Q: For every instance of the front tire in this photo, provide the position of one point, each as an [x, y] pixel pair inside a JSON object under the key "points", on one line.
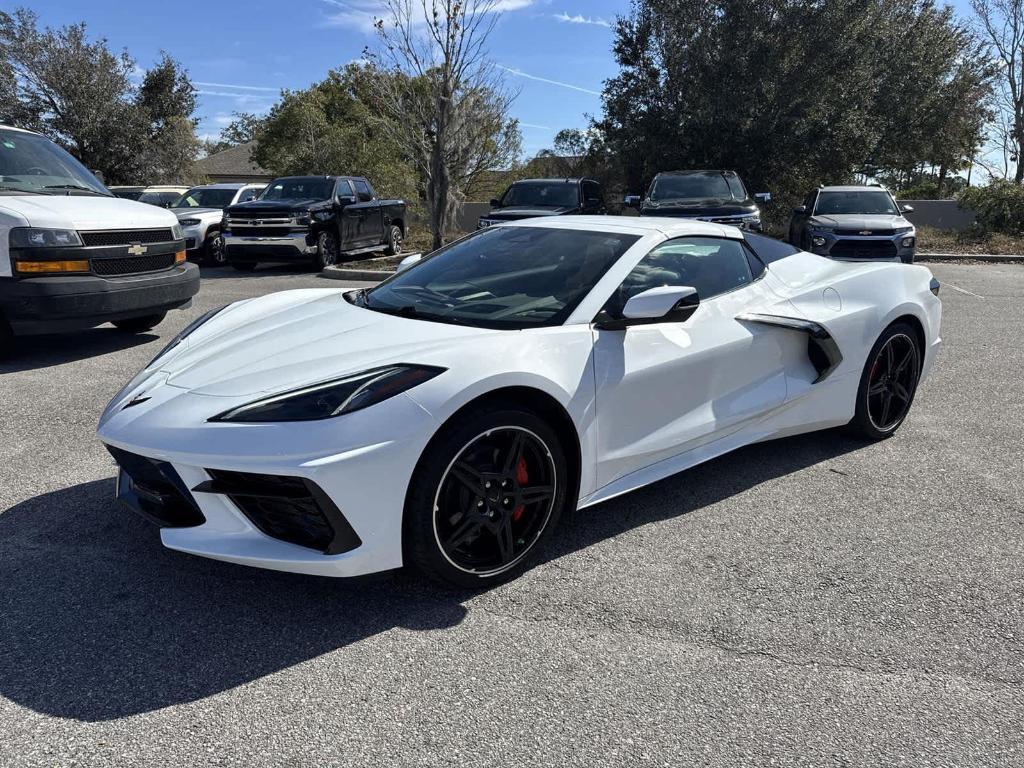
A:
{"points": [[485, 496], [887, 384], [326, 250], [214, 253], [139, 324]]}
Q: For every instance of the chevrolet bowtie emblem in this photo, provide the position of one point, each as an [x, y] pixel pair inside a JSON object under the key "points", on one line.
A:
{"points": [[864, 232], [136, 249]]}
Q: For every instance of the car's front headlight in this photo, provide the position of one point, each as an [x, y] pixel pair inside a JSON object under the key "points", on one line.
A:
{"points": [[189, 222], [37, 237], [333, 398], [176, 232], [186, 331], [902, 230], [822, 229]]}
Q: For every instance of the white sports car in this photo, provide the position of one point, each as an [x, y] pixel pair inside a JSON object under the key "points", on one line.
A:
{"points": [[449, 416]]}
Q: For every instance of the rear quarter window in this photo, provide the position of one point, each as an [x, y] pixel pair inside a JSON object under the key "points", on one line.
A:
{"points": [[768, 249]]}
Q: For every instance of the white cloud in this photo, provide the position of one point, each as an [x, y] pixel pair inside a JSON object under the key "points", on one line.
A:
{"points": [[581, 19], [559, 83], [239, 87], [535, 126], [362, 14]]}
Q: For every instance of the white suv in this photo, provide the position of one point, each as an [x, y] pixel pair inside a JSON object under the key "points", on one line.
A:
{"points": [[199, 211]]}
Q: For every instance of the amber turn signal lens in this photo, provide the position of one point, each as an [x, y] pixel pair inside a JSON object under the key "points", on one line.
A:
{"points": [[179, 257], [50, 267]]}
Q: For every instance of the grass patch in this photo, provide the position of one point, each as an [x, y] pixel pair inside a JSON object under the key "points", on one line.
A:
{"points": [[974, 240]]}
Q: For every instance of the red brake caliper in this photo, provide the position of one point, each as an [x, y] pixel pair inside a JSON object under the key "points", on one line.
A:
{"points": [[522, 477]]}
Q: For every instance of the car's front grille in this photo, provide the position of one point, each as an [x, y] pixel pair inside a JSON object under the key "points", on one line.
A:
{"points": [[125, 237], [153, 489], [261, 231], [132, 265], [864, 249], [865, 232], [291, 509]]}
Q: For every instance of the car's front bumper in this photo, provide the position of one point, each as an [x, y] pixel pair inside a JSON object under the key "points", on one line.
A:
{"points": [[54, 303], [297, 245], [362, 462]]}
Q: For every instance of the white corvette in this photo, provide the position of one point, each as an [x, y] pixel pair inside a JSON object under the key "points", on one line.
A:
{"points": [[449, 416]]}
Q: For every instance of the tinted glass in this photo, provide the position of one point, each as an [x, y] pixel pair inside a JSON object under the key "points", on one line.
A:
{"points": [[710, 265], [504, 277], [128, 194], [32, 163], [557, 195], [162, 199], [363, 191], [345, 189], [205, 198], [870, 202], [692, 186], [299, 188], [248, 194], [767, 248]]}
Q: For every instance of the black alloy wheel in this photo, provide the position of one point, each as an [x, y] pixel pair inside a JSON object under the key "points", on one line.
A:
{"points": [[214, 252], [485, 496], [326, 249], [888, 383], [394, 241]]}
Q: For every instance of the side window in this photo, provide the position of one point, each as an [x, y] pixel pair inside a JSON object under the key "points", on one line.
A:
{"points": [[344, 189], [591, 189], [711, 265], [248, 194], [768, 249], [809, 202], [363, 191]]}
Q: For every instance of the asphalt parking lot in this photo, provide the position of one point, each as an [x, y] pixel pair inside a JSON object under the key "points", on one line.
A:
{"points": [[813, 601]]}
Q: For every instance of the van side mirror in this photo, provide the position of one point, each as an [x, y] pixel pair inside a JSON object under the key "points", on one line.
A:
{"points": [[800, 209], [664, 304], [632, 201]]}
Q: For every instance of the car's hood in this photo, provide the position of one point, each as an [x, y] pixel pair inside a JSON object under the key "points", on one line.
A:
{"points": [[693, 208], [260, 206], [860, 221], [197, 213], [289, 339], [527, 212], [85, 212]]}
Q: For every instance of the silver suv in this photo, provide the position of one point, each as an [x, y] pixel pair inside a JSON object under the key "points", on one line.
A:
{"points": [[859, 223], [200, 210]]}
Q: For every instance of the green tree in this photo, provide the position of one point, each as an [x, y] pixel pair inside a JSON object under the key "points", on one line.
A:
{"points": [[791, 93], [81, 94]]}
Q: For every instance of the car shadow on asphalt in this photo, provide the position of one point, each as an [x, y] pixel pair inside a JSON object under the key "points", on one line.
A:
{"points": [[98, 621], [35, 352]]}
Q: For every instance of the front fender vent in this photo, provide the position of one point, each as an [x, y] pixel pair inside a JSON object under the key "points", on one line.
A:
{"points": [[822, 350]]}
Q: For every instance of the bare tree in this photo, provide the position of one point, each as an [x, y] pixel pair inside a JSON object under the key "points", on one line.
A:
{"points": [[445, 100], [1001, 22]]}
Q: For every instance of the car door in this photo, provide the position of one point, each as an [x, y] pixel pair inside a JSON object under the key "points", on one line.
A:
{"points": [[371, 222], [349, 214], [666, 388]]}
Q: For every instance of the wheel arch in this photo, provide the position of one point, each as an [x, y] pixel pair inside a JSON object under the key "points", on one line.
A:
{"points": [[914, 322]]}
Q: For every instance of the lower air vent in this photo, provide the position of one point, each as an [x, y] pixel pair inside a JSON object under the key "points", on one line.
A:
{"points": [[154, 490]]}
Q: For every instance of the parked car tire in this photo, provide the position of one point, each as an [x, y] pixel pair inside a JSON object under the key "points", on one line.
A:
{"points": [[214, 253], [139, 324], [466, 530], [888, 383], [244, 266], [326, 249], [6, 338], [395, 239]]}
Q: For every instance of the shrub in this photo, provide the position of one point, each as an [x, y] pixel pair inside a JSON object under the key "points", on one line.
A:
{"points": [[999, 206]]}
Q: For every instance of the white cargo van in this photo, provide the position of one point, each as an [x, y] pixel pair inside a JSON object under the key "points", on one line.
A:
{"points": [[72, 255]]}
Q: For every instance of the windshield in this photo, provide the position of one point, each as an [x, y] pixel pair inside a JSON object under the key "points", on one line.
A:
{"points": [[299, 188], [201, 197], [558, 195], [877, 202], [504, 277], [695, 186], [31, 163]]}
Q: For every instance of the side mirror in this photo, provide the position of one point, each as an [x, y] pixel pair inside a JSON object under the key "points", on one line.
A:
{"points": [[665, 304], [495, 202], [800, 209], [343, 200], [593, 202], [907, 208], [408, 261], [763, 197], [632, 201]]}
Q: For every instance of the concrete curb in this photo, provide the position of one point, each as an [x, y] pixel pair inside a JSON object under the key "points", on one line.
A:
{"points": [[993, 258], [362, 275]]}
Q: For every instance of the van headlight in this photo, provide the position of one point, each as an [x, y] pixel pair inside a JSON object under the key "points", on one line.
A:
{"points": [[37, 237]]}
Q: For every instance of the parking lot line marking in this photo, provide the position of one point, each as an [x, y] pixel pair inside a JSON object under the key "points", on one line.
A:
{"points": [[962, 290]]}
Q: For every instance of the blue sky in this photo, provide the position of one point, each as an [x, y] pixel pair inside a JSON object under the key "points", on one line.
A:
{"points": [[240, 54]]}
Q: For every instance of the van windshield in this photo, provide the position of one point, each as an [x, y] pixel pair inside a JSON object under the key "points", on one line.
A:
{"points": [[32, 163]]}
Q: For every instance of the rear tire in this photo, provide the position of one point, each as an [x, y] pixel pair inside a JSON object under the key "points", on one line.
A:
{"points": [[887, 384], [395, 239], [139, 324], [464, 534], [7, 341]]}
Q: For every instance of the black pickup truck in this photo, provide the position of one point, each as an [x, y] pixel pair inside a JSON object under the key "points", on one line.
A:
{"points": [[529, 198], [716, 196], [313, 218]]}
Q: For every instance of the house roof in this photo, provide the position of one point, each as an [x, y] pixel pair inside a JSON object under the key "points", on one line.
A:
{"points": [[234, 161]]}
